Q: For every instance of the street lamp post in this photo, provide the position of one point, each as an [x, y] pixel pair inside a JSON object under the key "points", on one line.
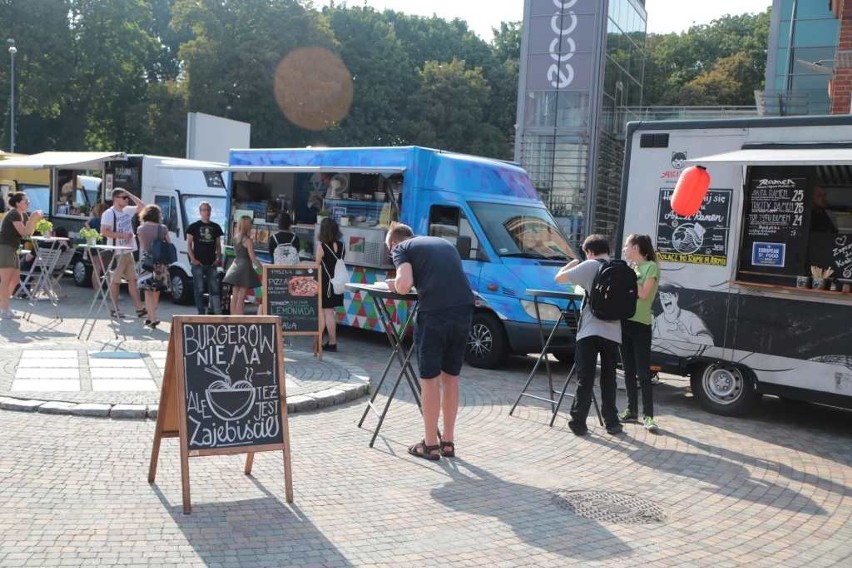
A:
{"points": [[12, 51]]}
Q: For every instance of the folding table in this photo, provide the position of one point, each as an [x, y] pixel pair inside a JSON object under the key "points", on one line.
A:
{"points": [[571, 317], [379, 293], [102, 295], [48, 251]]}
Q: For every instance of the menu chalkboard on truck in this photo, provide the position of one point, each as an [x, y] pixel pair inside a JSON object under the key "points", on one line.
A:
{"points": [[776, 216], [223, 391], [293, 294], [699, 239]]}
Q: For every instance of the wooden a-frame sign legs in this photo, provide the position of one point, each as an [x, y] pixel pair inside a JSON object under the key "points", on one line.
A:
{"points": [[172, 410]]}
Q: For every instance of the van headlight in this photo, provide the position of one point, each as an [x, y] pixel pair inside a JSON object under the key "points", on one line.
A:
{"points": [[549, 312]]}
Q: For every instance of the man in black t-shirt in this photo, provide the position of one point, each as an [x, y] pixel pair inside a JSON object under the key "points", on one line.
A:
{"points": [[445, 302], [204, 246]]}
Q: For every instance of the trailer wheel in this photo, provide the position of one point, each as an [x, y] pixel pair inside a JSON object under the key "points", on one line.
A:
{"points": [[486, 344], [724, 388], [181, 292], [82, 274]]}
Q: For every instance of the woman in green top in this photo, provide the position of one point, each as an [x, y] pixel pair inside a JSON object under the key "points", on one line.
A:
{"points": [[636, 332]]}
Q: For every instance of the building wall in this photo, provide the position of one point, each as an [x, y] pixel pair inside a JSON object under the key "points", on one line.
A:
{"points": [[581, 71], [794, 87], [841, 84]]}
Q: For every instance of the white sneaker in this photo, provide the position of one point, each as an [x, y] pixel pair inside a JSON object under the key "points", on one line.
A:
{"points": [[9, 314]]}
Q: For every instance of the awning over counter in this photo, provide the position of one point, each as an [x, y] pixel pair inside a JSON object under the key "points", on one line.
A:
{"points": [[219, 167], [67, 160], [779, 157]]}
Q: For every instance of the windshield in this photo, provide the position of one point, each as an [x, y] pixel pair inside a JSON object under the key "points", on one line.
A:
{"points": [[190, 208], [528, 232]]}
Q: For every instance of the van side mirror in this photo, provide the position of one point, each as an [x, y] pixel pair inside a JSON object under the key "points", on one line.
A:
{"points": [[463, 243]]}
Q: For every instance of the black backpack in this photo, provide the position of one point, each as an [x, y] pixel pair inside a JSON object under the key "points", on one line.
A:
{"points": [[614, 291]]}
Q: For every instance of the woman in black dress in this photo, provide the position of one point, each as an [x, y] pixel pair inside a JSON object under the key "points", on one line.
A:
{"points": [[329, 250]]}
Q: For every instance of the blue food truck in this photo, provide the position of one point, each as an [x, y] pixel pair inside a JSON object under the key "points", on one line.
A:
{"points": [[508, 240]]}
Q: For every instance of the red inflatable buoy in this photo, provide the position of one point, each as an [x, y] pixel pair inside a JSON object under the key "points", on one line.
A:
{"points": [[690, 191]]}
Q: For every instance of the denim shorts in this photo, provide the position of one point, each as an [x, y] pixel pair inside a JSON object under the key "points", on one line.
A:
{"points": [[441, 340]]}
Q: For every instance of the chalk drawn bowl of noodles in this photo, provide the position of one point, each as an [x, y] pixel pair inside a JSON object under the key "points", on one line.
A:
{"points": [[230, 401]]}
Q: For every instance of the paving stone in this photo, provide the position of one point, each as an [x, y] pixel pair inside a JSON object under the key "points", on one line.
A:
{"points": [[301, 403], [124, 411], [328, 397], [22, 405], [91, 409], [56, 407]]}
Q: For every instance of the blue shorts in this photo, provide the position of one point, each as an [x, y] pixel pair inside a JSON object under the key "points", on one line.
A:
{"points": [[441, 340]]}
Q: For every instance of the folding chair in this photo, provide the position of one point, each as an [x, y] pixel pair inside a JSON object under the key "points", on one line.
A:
{"points": [[58, 271], [38, 279]]}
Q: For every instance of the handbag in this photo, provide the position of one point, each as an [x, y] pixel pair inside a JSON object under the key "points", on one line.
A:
{"points": [[341, 274], [162, 252]]}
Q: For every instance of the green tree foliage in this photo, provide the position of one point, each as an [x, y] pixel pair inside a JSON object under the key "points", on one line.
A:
{"points": [[121, 74], [721, 63]]}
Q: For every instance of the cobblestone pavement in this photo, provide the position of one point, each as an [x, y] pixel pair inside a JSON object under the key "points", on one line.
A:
{"points": [[771, 490], [118, 368]]}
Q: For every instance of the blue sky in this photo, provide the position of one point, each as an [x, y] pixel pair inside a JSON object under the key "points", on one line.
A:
{"points": [[481, 15]]}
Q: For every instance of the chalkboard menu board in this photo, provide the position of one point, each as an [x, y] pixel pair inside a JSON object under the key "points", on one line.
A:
{"points": [[776, 218], [223, 393], [292, 293], [699, 239], [828, 250], [231, 384]]}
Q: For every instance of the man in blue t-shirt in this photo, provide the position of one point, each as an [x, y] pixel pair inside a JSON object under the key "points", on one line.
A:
{"points": [[445, 303]]}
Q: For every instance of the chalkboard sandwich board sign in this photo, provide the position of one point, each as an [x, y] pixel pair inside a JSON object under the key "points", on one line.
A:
{"points": [[224, 392], [293, 294]]}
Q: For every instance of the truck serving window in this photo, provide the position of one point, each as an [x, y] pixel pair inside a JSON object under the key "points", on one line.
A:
{"points": [[527, 232], [795, 227]]}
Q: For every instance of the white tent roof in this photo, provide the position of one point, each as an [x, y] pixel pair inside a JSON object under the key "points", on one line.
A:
{"points": [[780, 157], [70, 160]]}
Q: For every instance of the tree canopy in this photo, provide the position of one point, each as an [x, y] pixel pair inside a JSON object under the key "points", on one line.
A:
{"points": [[121, 74]]}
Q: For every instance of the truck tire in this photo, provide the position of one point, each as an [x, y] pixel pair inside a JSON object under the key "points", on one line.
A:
{"points": [[82, 274], [181, 288], [486, 344], [724, 388]]}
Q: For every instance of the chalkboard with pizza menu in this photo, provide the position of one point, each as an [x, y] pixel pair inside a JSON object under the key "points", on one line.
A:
{"points": [[293, 294]]}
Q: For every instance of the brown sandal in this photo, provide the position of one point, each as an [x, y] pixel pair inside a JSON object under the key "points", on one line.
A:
{"points": [[448, 449], [421, 450]]}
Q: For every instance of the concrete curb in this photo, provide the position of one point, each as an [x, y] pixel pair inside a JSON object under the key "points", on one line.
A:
{"points": [[358, 386]]}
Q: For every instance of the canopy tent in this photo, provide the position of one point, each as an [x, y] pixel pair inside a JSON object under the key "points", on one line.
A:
{"points": [[779, 157], [63, 160]]}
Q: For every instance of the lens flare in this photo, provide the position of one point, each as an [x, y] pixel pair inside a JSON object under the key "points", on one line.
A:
{"points": [[313, 88]]}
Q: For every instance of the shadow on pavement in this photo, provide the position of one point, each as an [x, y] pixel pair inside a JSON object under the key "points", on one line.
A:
{"points": [[727, 474], [259, 532], [528, 511]]}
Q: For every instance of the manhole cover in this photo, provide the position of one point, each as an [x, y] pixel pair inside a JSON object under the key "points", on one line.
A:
{"points": [[609, 506]]}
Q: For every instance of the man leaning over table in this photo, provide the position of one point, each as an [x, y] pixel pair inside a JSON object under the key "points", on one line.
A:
{"points": [[117, 227], [445, 301]]}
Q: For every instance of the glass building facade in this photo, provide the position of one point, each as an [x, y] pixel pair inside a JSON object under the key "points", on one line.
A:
{"points": [[800, 58], [581, 74]]}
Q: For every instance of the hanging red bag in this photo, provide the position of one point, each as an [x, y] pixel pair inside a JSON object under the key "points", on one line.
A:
{"points": [[690, 191]]}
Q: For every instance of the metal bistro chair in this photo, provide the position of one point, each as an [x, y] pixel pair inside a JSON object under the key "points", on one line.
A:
{"points": [[42, 278]]}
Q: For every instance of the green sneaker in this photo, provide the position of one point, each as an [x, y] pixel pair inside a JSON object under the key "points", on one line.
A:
{"points": [[650, 424], [627, 416]]}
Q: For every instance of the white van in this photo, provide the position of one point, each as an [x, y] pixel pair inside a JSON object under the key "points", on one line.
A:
{"points": [[154, 179], [740, 310]]}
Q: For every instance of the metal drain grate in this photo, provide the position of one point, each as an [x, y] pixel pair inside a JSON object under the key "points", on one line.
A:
{"points": [[609, 507]]}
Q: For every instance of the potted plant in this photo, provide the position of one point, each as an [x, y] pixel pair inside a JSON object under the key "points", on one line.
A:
{"points": [[322, 215], [43, 227], [91, 235]]}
